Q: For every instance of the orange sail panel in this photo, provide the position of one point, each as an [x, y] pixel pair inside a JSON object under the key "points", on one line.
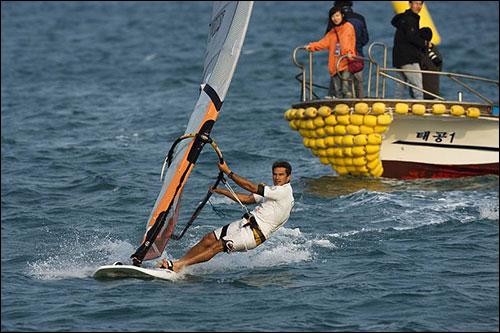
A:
{"points": [[227, 30]]}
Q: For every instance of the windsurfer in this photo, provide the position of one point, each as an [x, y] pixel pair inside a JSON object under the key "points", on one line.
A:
{"points": [[275, 204]]}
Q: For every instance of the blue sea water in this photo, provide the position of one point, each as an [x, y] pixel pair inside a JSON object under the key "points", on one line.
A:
{"points": [[94, 93]]}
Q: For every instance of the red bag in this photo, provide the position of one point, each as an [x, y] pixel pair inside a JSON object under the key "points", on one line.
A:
{"points": [[355, 65]]}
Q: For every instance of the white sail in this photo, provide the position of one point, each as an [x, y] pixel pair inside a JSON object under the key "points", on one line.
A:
{"points": [[227, 30]]}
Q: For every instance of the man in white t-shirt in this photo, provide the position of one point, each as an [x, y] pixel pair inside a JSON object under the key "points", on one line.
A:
{"points": [[275, 204]]}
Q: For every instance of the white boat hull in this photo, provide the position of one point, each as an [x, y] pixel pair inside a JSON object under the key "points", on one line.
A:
{"points": [[440, 147]]}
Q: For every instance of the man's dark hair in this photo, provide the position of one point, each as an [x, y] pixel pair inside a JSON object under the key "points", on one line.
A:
{"points": [[283, 164]]}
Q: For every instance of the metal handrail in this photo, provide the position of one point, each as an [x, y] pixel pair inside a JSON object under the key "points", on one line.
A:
{"points": [[303, 68], [381, 72], [453, 76], [377, 75]]}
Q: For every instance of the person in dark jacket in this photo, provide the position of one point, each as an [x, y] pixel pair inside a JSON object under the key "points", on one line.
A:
{"points": [[431, 60], [408, 47], [362, 38]]}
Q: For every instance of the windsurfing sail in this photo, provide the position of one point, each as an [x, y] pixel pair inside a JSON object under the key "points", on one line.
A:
{"points": [[227, 30]]}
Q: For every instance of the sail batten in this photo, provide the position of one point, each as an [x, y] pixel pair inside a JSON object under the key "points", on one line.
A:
{"points": [[227, 29]]}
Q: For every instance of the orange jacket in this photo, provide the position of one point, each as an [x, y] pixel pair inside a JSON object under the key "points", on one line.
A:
{"points": [[347, 45]]}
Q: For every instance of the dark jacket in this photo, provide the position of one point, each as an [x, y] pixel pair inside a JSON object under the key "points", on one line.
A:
{"points": [[408, 45], [359, 23], [431, 61]]}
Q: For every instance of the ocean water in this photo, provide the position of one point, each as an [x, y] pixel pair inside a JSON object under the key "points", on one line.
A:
{"points": [[94, 93]]}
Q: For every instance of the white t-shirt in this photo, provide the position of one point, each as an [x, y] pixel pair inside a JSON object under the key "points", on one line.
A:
{"points": [[274, 208]]}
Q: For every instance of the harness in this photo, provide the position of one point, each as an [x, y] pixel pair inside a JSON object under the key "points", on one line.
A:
{"points": [[257, 233], [252, 223]]}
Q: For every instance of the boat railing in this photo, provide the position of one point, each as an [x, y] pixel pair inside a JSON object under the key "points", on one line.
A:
{"points": [[381, 73], [455, 77]]}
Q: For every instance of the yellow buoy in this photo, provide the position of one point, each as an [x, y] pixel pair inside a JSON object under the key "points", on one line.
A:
{"points": [[324, 111], [305, 142], [384, 119], [380, 129], [362, 169], [287, 114], [340, 130], [310, 124], [361, 139], [329, 141], [348, 140], [359, 161], [370, 120], [351, 168], [347, 152], [293, 125], [320, 143], [372, 157], [356, 119], [339, 139], [370, 149], [331, 120], [338, 152], [378, 171], [366, 129], [361, 108], [341, 109], [344, 119], [359, 150], [438, 109], [373, 164], [341, 170], [457, 110], [320, 132], [473, 112], [348, 161], [378, 108], [418, 109], [308, 133], [319, 122], [352, 129], [401, 108], [324, 160], [330, 152], [312, 143], [300, 123], [311, 112], [374, 139], [330, 130], [300, 114]]}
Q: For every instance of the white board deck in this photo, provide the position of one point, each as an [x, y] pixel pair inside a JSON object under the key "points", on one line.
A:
{"points": [[130, 271]]}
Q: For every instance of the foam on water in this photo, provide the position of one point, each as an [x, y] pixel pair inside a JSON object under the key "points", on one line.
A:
{"points": [[489, 210], [76, 258], [286, 246]]}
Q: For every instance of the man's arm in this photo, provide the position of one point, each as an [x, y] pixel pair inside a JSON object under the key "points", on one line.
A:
{"points": [[242, 182], [244, 198]]}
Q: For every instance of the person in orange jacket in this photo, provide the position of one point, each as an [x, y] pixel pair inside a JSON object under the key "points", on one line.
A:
{"points": [[340, 40]]}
